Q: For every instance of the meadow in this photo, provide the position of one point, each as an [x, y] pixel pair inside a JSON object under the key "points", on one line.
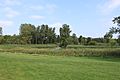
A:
{"points": [[49, 62], [19, 66]]}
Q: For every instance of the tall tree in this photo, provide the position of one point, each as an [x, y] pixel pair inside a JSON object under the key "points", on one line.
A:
{"points": [[64, 35], [80, 39], [27, 32], [45, 34], [116, 20], [115, 30]]}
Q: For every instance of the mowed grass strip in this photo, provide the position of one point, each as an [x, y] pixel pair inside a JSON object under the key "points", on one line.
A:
{"points": [[39, 67]]}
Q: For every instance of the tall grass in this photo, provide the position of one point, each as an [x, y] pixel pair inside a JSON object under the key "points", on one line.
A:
{"points": [[55, 51]]}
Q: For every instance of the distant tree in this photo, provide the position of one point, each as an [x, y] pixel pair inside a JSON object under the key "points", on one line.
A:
{"points": [[75, 39], [80, 39], [27, 32], [89, 39], [58, 38], [45, 34], [2, 40], [0, 30], [15, 39], [84, 41], [70, 40], [7, 39], [98, 40], [118, 40], [107, 37], [64, 35]]}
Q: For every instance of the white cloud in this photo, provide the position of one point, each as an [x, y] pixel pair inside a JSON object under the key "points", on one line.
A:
{"points": [[10, 13], [109, 6], [37, 17], [5, 23]]}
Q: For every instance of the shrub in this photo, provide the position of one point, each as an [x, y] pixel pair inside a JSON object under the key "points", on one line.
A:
{"points": [[113, 42], [92, 43]]}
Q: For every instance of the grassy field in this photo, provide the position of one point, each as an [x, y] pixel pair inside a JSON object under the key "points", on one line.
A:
{"points": [[40, 67]]}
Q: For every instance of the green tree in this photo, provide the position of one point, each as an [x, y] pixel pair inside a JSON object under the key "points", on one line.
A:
{"points": [[15, 39], [64, 35], [107, 37], [75, 39], [84, 41], [0, 30], [80, 39], [118, 40], [27, 32], [89, 39], [2, 40], [45, 34], [58, 38], [116, 20]]}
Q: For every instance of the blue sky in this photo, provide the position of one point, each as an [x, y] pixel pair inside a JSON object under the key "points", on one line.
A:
{"points": [[90, 18]]}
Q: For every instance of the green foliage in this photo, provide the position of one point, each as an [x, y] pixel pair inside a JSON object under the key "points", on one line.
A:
{"points": [[117, 20], [37, 35], [118, 40], [80, 39], [26, 32], [89, 39], [113, 42], [64, 35], [63, 43], [92, 43], [1, 31], [115, 30], [107, 37], [75, 39], [98, 40], [1, 40]]}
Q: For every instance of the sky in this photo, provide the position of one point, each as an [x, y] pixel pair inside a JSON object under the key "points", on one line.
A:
{"points": [[90, 18]]}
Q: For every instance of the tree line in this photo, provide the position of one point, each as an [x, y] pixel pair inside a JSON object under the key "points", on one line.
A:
{"points": [[43, 34]]}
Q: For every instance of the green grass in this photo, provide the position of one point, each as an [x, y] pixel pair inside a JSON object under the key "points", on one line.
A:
{"points": [[40, 67]]}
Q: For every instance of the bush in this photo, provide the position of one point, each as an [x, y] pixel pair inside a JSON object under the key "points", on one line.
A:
{"points": [[113, 42], [63, 43], [92, 43]]}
